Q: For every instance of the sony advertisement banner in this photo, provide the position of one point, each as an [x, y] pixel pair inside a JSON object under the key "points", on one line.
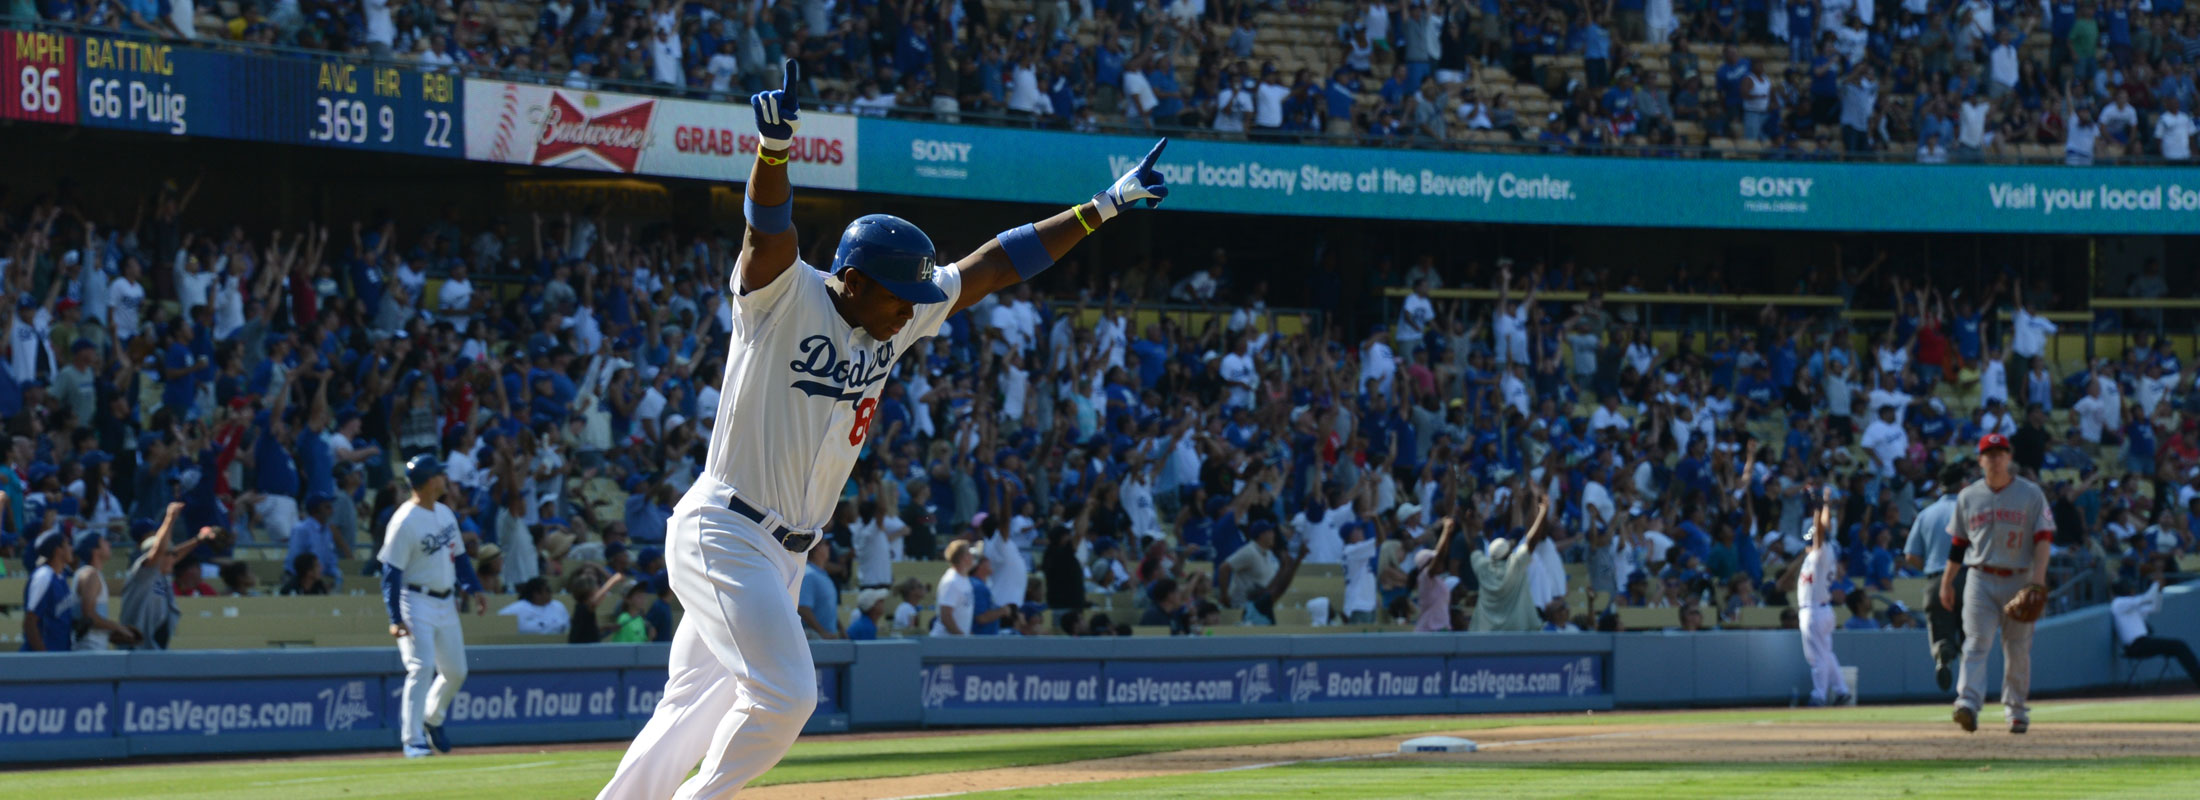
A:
{"points": [[517, 123], [965, 161]]}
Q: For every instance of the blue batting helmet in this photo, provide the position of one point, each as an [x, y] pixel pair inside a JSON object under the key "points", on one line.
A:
{"points": [[421, 469], [889, 250]]}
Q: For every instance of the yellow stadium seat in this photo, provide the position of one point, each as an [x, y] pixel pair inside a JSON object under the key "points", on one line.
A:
{"points": [[1760, 617], [1649, 619]]}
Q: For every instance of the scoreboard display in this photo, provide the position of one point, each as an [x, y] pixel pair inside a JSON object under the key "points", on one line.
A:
{"points": [[38, 77], [381, 107], [164, 88]]}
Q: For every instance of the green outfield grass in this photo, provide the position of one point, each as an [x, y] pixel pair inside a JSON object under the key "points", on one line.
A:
{"points": [[528, 776], [1404, 780]]}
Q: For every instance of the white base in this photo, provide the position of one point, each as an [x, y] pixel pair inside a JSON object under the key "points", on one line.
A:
{"points": [[1437, 744]]}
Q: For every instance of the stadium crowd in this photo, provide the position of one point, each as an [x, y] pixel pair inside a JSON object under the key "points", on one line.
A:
{"points": [[1947, 81], [177, 389]]}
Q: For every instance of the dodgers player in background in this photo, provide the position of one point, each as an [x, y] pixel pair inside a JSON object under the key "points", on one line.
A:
{"points": [[809, 359], [1827, 685], [2000, 537], [424, 567]]}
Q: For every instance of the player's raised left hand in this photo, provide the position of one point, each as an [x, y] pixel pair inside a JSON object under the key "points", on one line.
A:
{"points": [[1143, 182]]}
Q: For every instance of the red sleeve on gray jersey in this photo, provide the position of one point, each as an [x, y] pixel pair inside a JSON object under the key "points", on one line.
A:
{"points": [[2045, 528]]}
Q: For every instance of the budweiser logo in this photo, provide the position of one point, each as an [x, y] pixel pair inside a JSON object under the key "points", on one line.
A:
{"points": [[616, 138]]}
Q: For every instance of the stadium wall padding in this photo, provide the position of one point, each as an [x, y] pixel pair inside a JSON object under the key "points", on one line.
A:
{"points": [[88, 706]]}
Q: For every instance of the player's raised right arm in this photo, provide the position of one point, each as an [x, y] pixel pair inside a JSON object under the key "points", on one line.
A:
{"points": [[769, 247]]}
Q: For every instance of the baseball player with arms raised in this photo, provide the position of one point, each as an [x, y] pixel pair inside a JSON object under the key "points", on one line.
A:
{"points": [[424, 566], [1815, 591], [810, 355], [2001, 532]]}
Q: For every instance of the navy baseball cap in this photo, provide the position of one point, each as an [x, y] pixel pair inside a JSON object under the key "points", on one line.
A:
{"points": [[46, 543], [87, 542], [421, 469], [893, 252]]}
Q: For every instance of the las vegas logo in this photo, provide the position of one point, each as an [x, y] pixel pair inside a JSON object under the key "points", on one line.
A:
{"points": [[613, 140]]}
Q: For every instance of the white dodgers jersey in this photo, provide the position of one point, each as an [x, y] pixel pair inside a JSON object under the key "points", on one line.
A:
{"points": [[424, 542], [1816, 584], [800, 390]]}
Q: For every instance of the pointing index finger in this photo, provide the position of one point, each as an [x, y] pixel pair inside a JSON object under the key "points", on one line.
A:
{"points": [[792, 74], [1153, 155]]}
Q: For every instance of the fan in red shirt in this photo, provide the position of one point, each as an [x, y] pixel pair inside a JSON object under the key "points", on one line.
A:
{"points": [[1936, 355]]}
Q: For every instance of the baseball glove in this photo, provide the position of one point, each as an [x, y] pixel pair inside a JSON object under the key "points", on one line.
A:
{"points": [[2029, 604]]}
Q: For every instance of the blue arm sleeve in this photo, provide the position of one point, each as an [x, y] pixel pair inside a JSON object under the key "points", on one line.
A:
{"points": [[1025, 252], [467, 580], [393, 587]]}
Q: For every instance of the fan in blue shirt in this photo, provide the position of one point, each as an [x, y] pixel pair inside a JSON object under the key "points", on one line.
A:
{"points": [[1860, 609], [1730, 82], [913, 51], [1934, 425], [1802, 18], [1758, 393], [1342, 94], [1107, 68]]}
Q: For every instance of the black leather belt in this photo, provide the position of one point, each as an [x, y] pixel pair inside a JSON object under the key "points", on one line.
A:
{"points": [[795, 541], [439, 595]]}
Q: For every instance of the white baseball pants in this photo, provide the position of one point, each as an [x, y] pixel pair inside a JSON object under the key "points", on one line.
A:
{"points": [[741, 682], [1825, 670], [435, 649]]}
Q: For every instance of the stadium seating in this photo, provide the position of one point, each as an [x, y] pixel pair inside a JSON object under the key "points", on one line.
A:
{"points": [[1650, 619]]}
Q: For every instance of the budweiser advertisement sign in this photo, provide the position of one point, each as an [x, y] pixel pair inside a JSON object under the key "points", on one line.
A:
{"points": [[516, 123]]}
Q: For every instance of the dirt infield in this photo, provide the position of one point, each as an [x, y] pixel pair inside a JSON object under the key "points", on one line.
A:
{"points": [[1647, 742]]}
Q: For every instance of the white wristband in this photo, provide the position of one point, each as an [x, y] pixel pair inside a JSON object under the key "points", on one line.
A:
{"points": [[769, 143], [1104, 205]]}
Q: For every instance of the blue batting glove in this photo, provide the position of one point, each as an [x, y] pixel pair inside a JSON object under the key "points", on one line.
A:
{"points": [[777, 115], [1141, 183]]}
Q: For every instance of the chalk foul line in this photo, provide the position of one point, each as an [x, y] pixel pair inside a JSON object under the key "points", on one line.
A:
{"points": [[354, 775], [1328, 759]]}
